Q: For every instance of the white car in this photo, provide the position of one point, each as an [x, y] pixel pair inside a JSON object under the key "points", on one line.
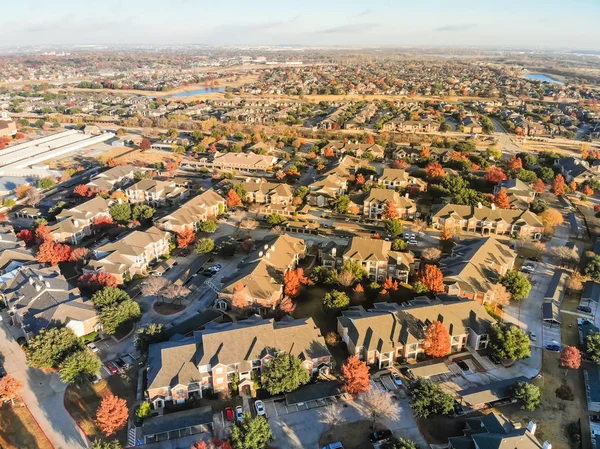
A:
{"points": [[528, 268], [260, 408], [397, 379], [412, 242], [93, 347], [239, 411]]}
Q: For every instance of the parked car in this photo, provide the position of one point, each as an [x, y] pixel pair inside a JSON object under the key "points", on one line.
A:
{"points": [[380, 435], [532, 336], [93, 347], [412, 242], [463, 366], [397, 378], [238, 413], [229, 414], [111, 367], [528, 268], [260, 408], [458, 410], [336, 445], [120, 364], [586, 309], [555, 348]]}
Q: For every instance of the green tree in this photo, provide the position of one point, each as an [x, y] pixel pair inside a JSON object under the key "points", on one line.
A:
{"points": [[592, 269], [592, 347], [526, 176], [453, 184], [336, 300], [144, 410], [301, 191], [205, 245], [538, 206], [276, 219], [399, 443], [51, 346], [240, 190], [509, 342], [516, 284], [529, 395], [79, 364], [208, 226], [399, 245], [148, 335], [355, 268], [143, 212], [120, 212], [109, 296], [9, 203], [393, 227], [113, 444], [284, 373], [429, 399], [340, 204], [546, 173], [114, 316], [47, 183], [320, 274], [251, 433]]}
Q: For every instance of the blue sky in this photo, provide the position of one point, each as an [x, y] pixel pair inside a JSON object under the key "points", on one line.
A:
{"points": [[507, 23]]}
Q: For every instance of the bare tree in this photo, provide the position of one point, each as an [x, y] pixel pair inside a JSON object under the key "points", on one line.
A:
{"points": [[32, 197], [418, 225], [566, 255], [500, 296], [176, 292], [331, 416], [575, 282], [432, 255], [153, 286], [378, 405], [345, 278], [538, 247]]}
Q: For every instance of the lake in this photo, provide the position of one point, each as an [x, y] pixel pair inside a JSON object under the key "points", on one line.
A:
{"points": [[542, 77], [191, 93]]}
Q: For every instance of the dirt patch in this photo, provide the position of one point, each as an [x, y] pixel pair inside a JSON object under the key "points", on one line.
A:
{"points": [[19, 430], [351, 435], [437, 429], [135, 156], [82, 401], [167, 309]]}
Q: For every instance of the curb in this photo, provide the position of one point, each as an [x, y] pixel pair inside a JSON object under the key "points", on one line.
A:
{"points": [[38, 424]]}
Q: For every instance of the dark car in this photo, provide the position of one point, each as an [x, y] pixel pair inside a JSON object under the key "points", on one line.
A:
{"points": [[495, 359], [120, 363], [380, 435], [555, 348], [586, 309], [463, 365], [458, 410]]}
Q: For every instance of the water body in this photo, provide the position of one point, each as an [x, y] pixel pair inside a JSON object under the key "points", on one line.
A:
{"points": [[542, 77], [191, 93]]}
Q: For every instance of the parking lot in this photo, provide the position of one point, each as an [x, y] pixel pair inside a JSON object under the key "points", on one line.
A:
{"points": [[279, 408]]}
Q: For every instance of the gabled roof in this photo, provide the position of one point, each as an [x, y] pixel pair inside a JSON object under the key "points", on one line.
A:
{"points": [[368, 249]]}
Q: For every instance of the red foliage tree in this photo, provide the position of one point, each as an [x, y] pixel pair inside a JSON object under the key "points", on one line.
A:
{"points": [[239, 299], [437, 340], [81, 190], [112, 414], [587, 190], [293, 280], [573, 186], [539, 186], [233, 199], [515, 163], [19, 136], [501, 200], [145, 145], [370, 139], [355, 375], [570, 357], [199, 445], [42, 234], [2, 145], [53, 253], [400, 164], [328, 152], [9, 386], [425, 152], [435, 170], [432, 277], [359, 288], [390, 284], [558, 186], [26, 235], [495, 175], [102, 222], [112, 162], [390, 211], [360, 179], [185, 238], [96, 281], [78, 254]]}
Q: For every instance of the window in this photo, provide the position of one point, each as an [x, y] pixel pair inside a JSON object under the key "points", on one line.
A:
{"points": [[219, 370], [179, 391], [220, 381]]}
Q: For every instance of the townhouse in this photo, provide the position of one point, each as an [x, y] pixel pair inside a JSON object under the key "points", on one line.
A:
{"points": [[471, 125], [154, 193], [486, 221], [72, 225], [519, 193], [334, 182], [575, 169], [39, 297], [374, 255], [213, 358], [475, 266], [377, 199], [131, 254], [113, 178], [389, 332], [13, 252], [258, 285], [398, 178], [189, 215], [260, 191]]}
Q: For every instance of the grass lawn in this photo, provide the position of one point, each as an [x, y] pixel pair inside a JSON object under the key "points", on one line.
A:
{"points": [[167, 308], [19, 430], [437, 429], [83, 399], [352, 435]]}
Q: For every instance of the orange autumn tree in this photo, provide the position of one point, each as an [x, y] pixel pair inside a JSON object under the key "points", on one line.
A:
{"points": [[81, 190], [390, 211], [293, 280], [587, 190], [355, 375], [390, 284], [370, 139], [501, 200], [9, 386], [432, 277], [112, 414], [42, 234], [539, 186], [360, 179], [437, 340], [53, 253], [573, 186], [233, 199], [515, 163], [435, 170], [185, 238], [558, 186], [425, 153], [328, 152], [239, 299], [495, 175]]}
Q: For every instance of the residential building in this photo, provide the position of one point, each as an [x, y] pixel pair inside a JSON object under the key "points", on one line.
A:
{"points": [[486, 221], [72, 225], [519, 193], [212, 358], [260, 191], [394, 178], [575, 169], [334, 182], [113, 178], [39, 297], [374, 255], [390, 331], [475, 266], [189, 215], [131, 254], [241, 162], [8, 128], [377, 199], [154, 193], [259, 281], [13, 252], [471, 125]]}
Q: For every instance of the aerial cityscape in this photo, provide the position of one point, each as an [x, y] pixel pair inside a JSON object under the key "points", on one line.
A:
{"points": [[341, 225]]}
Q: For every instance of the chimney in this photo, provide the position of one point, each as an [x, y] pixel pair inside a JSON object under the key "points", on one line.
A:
{"points": [[47, 284], [267, 254], [493, 206], [40, 277], [479, 205], [31, 281], [547, 445], [266, 247], [38, 287], [531, 427], [333, 251], [260, 254], [406, 195]]}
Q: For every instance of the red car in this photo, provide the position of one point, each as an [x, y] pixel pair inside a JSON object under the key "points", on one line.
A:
{"points": [[229, 413], [112, 367]]}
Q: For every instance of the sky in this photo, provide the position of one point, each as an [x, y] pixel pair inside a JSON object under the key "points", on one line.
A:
{"points": [[565, 24]]}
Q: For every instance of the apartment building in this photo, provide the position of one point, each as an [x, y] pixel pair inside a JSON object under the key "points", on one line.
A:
{"points": [[131, 254], [72, 225], [260, 191], [154, 193], [377, 199], [394, 178], [113, 178], [241, 162], [212, 358], [390, 331], [519, 194], [190, 214]]}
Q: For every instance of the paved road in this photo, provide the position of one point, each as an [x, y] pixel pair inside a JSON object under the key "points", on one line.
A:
{"points": [[43, 393]]}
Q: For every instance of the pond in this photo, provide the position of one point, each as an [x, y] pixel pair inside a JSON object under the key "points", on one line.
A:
{"points": [[191, 93], [542, 77]]}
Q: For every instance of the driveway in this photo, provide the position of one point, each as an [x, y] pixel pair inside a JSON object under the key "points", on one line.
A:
{"points": [[43, 392]]}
